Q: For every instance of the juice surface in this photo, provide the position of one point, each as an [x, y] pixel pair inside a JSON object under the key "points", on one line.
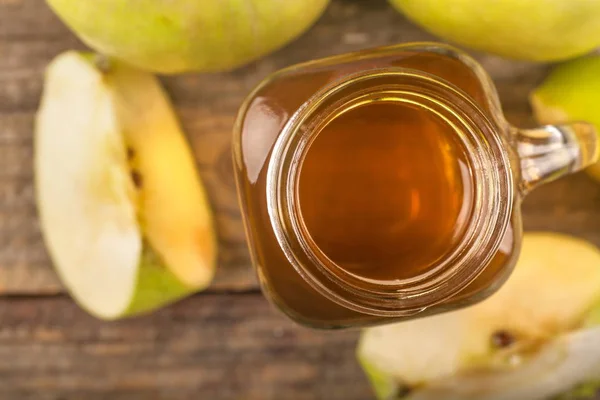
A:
{"points": [[385, 190]]}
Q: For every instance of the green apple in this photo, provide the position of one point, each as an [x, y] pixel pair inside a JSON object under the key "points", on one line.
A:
{"points": [[537, 30], [571, 93], [537, 337], [187, 35], [121, 206]]}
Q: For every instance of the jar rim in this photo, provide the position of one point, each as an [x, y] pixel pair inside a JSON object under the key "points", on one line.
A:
{"points": [[485, 229]]}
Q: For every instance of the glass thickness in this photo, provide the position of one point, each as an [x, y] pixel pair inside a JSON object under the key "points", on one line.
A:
{"points": [[384, 185]]}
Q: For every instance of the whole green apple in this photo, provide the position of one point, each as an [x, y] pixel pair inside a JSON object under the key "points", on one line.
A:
{"points": [[172, 36], [536, 30]]}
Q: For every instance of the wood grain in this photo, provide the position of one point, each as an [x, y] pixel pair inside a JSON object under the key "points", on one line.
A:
{"points": [[207, 347], [30, 36]]}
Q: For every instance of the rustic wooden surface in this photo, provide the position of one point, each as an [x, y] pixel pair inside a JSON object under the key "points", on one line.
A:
{"points": [[207, 347], [226, 343]]}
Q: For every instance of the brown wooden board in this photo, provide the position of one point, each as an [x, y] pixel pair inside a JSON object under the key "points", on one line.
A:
{"points": [[207, 347]]}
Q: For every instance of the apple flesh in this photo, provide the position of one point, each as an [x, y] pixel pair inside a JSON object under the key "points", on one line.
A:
{"points": [[537, 337], [122, 208]]}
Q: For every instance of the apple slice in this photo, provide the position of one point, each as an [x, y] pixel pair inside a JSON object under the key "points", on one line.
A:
{"points": [[122, 209], [537, 337]]}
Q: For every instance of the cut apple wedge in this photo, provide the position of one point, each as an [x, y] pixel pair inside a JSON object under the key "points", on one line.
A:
{"points": [[537, 337], [122, 208]]}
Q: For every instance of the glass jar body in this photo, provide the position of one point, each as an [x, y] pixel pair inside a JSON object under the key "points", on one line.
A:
{"points": [[262, 121]]}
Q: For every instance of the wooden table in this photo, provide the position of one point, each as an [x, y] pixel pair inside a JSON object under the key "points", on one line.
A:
{"points": [[227, 342]]}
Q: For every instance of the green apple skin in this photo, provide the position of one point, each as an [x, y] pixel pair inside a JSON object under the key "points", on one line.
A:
{"points": [[174, 36], [535, 30], [156, 285]]}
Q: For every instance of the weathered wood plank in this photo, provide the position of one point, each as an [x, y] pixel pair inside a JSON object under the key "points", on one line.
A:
{"points": [[30, 36], [207, 347]]}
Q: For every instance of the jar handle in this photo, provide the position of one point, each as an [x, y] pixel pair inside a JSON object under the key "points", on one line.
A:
{"points": [[551, 151]]}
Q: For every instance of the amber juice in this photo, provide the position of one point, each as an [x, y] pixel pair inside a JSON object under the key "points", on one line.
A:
{"points": [[384, 190], [389, 207]]}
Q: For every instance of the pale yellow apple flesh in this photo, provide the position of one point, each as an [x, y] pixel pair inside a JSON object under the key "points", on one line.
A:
{"points": [[536, 337], [122, 208], [173, 208]]}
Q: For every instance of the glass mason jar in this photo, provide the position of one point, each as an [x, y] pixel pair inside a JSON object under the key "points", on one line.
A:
{"points": [[279, 123]]}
